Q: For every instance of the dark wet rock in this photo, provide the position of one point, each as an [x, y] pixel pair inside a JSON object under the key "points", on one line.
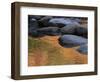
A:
{"points": [[81, 31], [33, 24], [71, 41], [83, 49], [36, 34], [68, 29], [49, 31], [75, 30], [61, 22], [43, 22]]}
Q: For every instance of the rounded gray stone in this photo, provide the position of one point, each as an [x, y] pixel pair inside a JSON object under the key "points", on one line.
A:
{"points": [[69, 41]]}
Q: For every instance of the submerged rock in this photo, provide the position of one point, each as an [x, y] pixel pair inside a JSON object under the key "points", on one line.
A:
{"points": [[69, 41], [83, 49]]}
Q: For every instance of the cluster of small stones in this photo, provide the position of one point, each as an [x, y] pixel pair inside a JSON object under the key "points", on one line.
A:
{"points": [[70, 30]]}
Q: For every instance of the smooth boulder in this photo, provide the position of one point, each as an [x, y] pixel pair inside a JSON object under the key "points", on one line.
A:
{"points": [[75, 30], [69, 41]]}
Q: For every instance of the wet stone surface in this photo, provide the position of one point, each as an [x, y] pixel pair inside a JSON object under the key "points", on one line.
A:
{"points": [[71, 41]]}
